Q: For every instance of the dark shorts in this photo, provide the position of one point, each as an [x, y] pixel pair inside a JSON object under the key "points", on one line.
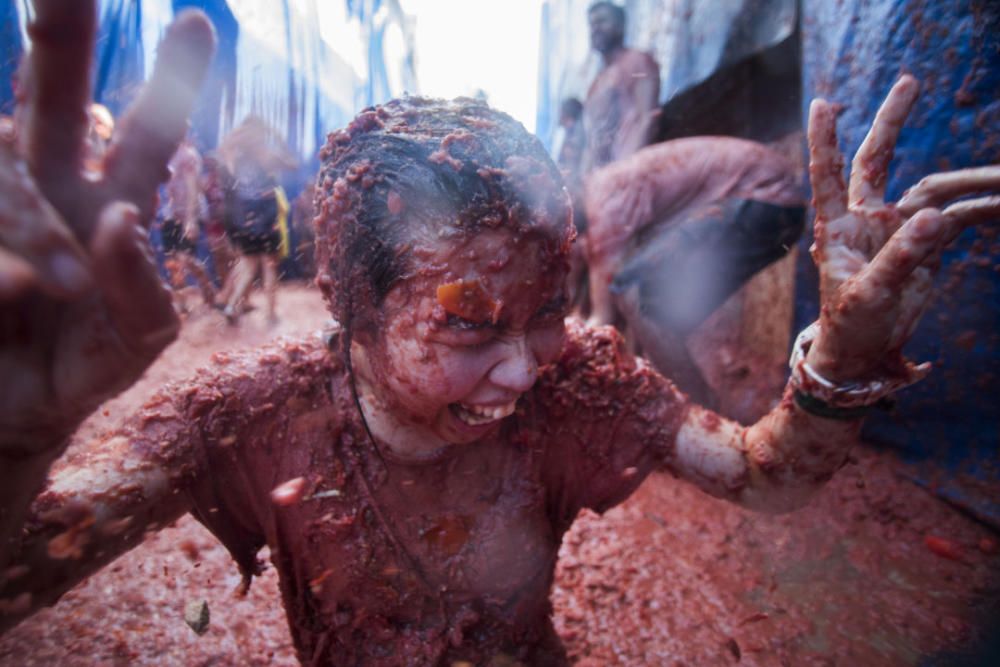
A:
{"points": [[257, 233], [684, 272], [258, 244], [174, 241]]}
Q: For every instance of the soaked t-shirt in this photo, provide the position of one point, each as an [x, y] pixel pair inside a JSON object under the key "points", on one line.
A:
{"points": [[383, 562]]}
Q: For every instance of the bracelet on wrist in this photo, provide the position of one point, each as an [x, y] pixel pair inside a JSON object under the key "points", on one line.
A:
{"points": [[814, 406], [824, 398]]}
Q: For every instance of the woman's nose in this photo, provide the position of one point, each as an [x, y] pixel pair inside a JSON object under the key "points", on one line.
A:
{"points": [[518, 369]]}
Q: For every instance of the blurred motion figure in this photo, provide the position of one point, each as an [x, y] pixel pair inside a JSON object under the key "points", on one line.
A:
{"points": [[677, 228], [183, 218], [253, 154]]}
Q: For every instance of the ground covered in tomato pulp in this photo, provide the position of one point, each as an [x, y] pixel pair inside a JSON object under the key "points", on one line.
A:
{"points": [[876, 571]]}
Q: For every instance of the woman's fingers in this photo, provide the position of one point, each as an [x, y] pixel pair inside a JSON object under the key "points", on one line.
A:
{"points": [[56, 86], [912, 245], [826, 163], [137, 301], [971, 212], [870, 167], [155, 124], [937, 190], [31, 230]]}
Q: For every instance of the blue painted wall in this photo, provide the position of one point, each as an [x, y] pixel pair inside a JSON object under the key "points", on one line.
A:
{"points": [[853, 50]]}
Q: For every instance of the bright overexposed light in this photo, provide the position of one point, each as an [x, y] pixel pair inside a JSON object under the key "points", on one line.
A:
{"points": [[467, 46]]}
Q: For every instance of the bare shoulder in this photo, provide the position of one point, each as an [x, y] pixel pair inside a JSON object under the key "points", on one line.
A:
{"points": [[640, 61]]}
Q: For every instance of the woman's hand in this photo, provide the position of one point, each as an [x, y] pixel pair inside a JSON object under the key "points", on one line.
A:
{"points": [[83, 311], [877, 259]]}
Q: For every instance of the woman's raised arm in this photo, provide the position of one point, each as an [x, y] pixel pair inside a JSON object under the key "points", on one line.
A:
{"points": [[876, 263]]}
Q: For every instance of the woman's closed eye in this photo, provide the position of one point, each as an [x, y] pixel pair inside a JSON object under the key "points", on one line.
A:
{"points": [[466, 333], [553, 311]]}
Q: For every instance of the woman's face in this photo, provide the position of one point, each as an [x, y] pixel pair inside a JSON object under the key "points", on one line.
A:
{"points": [[461, 342]]}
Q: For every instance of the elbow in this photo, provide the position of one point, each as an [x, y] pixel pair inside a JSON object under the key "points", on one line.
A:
{"points": [[779, 481]]}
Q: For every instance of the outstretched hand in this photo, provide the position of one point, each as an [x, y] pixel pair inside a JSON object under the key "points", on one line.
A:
{"points": [[876, 260], [83, 311]]}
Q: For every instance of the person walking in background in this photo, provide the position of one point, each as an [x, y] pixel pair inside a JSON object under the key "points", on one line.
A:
{"points": [[183, 216], [259, 226], [217, 185]]}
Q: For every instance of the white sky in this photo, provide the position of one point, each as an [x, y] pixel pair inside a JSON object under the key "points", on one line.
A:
{"points": [[465, 45]]}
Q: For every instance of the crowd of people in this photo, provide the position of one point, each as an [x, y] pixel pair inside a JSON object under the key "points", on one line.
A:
{"points": [[233, 205], [221, 220], [413, 472]]}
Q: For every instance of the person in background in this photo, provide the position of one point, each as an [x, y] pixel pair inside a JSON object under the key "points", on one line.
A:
{"points": [[217, 186], [570, 157], [621, 107], [183, 216], [8, 131], [570, 162], [253, 155], [100, 128], [678, 227], [305, 234]]}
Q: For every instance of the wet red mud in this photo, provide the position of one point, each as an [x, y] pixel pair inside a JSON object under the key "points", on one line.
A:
{"points": [[875, 571]]}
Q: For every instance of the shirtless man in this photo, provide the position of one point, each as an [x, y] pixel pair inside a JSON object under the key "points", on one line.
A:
{"points": [[678, 227], [621, 105]]}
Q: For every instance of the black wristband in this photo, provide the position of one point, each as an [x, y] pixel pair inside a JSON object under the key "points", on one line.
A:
{"points": [[819, 408]]}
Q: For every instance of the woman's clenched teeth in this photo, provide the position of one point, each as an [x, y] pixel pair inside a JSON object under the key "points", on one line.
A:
{"points": [[478, 415]]}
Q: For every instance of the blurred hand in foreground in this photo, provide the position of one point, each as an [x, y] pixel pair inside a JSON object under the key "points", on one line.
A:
{"points": [[83, 311]]}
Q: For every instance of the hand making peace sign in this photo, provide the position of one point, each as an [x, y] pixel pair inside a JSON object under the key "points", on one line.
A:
{"points": [[82, 309], [876, 259]]}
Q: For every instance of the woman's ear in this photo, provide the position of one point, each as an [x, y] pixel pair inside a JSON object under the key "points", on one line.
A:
{"points": [[363, 333], [365, 320]]}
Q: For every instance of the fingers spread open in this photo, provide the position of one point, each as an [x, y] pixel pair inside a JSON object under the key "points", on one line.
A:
{"points": [[938, 189], [56, 84], [32, 230], [826, 163], [155, 124], [137, 300], [907, 249], [870, 167], [971, 212]]}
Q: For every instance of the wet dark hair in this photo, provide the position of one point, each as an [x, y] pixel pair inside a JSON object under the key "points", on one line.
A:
{"points": [[416, 171], [617, 11]]}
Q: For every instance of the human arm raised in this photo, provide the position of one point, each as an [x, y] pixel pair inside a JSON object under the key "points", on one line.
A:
{"points": [[83, 309], [876, 262]]}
